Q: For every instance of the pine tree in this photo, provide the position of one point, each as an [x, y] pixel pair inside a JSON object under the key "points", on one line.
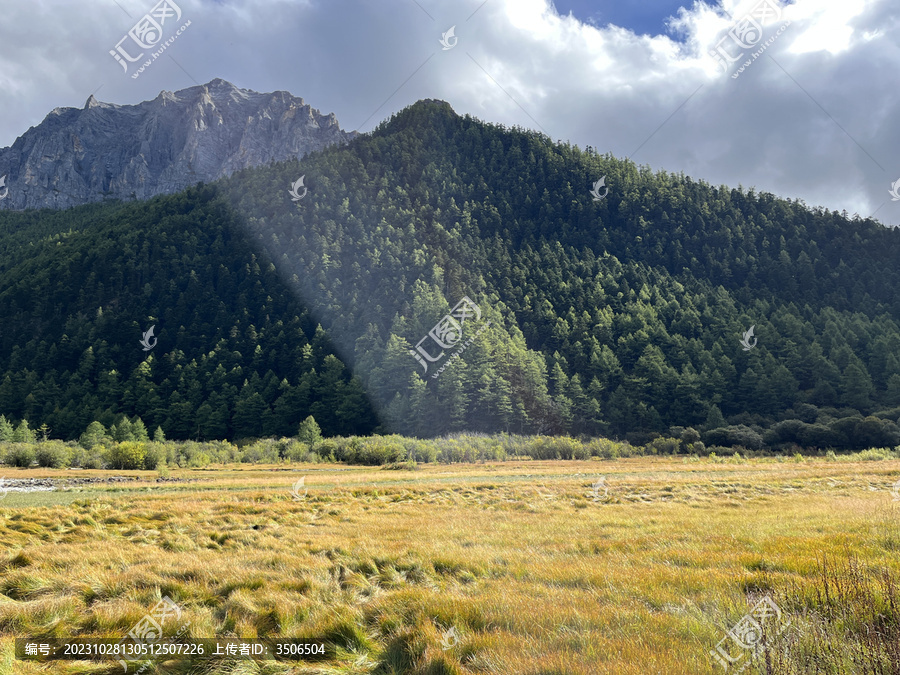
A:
{"points": [[248, 414], [6, 430], [93, 435], [857, 387], [139, 431], [23, 433], [122, 431], [892, 396], [309, 433], [714, 419]]}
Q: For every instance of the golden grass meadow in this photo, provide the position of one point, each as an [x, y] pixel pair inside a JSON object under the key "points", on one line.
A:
{"points": [[538, 567]]}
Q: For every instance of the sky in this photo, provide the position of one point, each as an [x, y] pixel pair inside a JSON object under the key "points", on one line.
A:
{"points": [[644, 17], [815, 116]]}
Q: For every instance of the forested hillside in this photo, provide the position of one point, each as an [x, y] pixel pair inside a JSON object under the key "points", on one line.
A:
{"points": [[620, 317], [237, 355]]}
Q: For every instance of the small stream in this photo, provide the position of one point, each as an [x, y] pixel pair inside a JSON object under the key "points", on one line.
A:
{"points": [[51, 484]]}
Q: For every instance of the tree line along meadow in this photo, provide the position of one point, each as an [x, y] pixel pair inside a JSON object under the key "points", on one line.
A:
{"points": [[126, 445]]}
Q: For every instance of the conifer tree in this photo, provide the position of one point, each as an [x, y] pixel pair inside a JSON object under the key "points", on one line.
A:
{"points": [[309, 433], [7, 433], [93, 435]]}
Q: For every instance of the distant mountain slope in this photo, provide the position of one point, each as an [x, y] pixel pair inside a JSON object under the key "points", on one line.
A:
{"points": [[637, 302], [621, 316], [161, 146]]}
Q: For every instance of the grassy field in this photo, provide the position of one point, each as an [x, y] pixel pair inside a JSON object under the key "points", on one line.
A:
{"points": [[536, 570]]}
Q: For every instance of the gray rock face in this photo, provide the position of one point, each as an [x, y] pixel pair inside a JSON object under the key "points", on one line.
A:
{"points": [[160, 146]]}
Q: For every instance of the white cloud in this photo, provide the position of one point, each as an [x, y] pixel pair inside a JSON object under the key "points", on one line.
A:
{"points": [[814, 117]]}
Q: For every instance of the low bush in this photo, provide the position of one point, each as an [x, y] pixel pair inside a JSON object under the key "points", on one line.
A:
{"points": [[87, 459], [52, 454], [874, 455], [734, 435], [604, 448], [22, 455], [296, 451], [397, 450], [154, 456], [93, 461], [379, 450], [127, 455], [328, 449], [663, 446], [556, 447], [425, 451]]}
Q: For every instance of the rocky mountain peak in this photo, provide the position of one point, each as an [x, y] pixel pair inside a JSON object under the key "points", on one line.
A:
{"points": [[201, 133]]}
